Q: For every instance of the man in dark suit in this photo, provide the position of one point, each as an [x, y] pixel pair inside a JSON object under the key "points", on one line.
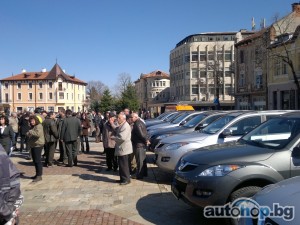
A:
{"points": [[70, 131]]}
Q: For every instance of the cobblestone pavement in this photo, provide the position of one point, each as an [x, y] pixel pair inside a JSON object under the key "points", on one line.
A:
{"points": [[87, 194]]}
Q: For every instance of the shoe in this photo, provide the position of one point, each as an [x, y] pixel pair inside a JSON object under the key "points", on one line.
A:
{"points": [[108, 169], [137, 178], [37, 179], [125, 183], [33, 177], [118, 181]]}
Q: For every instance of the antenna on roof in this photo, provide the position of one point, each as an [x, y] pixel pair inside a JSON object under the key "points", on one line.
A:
{"points": [[56, 60]]}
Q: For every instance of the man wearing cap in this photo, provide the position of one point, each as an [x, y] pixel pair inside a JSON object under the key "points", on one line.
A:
{"points": [[123, 147]]}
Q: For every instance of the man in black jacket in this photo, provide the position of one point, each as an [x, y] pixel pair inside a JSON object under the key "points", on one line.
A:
{"points": [[139, 143], [51, 135], [70, 131]]}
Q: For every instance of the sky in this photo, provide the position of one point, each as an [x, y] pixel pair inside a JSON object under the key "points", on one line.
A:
{"points": [[101, 39]]}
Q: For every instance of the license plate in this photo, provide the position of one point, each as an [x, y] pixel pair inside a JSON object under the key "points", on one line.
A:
{"points": [[176, 192]]}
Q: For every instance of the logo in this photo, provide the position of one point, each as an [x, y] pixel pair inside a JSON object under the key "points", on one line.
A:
{"points": [[249, 208]]}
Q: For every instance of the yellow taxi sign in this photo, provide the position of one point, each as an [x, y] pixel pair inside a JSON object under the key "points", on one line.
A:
{"points": [[179, 108]]}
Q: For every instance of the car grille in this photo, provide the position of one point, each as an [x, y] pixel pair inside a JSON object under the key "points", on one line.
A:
{"points": [[181, 186]]}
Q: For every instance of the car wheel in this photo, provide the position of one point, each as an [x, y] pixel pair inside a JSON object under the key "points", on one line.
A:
{"points": [[246, 192]]}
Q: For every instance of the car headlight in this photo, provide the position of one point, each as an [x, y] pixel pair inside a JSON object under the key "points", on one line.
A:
{"points": [[163, 136], [219, 171], [175, 146]]}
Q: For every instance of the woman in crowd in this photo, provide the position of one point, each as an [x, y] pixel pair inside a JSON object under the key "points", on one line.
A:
{"points": [[36, 142], [7, 135], [85, 124]]}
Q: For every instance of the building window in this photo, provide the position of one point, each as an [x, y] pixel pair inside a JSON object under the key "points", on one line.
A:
{"points": [[40, 96], [30, 96], [195, 89], [164, 83], [61, 95], [50, 109], [202, 56], [30, 85], [194, 56], [258, 79], [6, 85], [277, 67], [6, 97], [274, 99], [242, 59], [40, 85], [60, 86], [78, 97], [228, 89], [203, 72], [50, 95], [211, 55], [19, 96], [50, 84], [67, 96], [187, 58], [227, 72], [242, 80], [284, 68], [19, 86], [194, 73], [228, 56]]}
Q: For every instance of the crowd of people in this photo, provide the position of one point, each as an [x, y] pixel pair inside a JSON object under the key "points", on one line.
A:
{"points": [[123, 136]]}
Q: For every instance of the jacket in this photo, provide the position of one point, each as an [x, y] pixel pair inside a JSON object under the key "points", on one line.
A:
{"points": [[71, 129], [139, 133], [36, 136], [50, 130], [85, 124], [123, 140], [10, 190], [7, 139], [24, 124], [108, 136]]}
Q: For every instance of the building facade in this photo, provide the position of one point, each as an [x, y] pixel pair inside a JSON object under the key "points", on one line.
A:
{"points": [[48, 90], [201, 68], [153, 89], [283, 92], [254, 63]]}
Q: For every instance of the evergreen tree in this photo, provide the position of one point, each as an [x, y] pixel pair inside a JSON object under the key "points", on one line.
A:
{"points": [[107, 102], [129, 98]]}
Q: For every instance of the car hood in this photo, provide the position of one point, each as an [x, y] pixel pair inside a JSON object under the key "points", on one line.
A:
{"points": [[169, 130], [230, 152], [285, 192], [188, 137]]}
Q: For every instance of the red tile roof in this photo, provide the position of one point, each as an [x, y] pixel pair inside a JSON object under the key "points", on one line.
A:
{"points": [[53, 74], [156, 73]]}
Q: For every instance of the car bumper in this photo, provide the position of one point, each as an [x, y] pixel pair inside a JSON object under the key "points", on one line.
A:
{"points": [[167, 161], [215, 190]]}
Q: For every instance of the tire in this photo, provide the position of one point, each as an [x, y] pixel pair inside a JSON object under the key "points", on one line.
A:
{"points": [[239, 193]]}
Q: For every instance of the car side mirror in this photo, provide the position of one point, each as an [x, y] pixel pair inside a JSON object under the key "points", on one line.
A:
{"points": [[227, 132], [296, 152], [201, 126], [182, 123]]}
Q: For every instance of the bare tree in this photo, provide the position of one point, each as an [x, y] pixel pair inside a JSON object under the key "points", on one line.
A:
{"points": [[95, 88], [124, 79]]}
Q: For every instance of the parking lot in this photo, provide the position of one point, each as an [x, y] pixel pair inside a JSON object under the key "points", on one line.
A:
{"points": [[87, 194]]}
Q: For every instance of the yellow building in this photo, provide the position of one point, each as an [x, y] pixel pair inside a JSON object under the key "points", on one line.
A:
{"points": [[282, 89], [48, 90]]}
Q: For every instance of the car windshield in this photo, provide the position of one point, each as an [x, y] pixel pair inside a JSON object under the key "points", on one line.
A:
{"points": [[170, 117], [275, 133], [215, 126], [161, 116], [179, 118], [193, 122], [211, 119]]}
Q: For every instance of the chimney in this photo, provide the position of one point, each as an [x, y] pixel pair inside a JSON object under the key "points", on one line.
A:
{"points": [[296, 7], [44, 70], [23, 71]]}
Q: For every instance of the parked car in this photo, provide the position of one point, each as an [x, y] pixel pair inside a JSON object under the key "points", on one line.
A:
{"points": [[180, 120], [165, 119], [220, 174], [170, 117], [286, 195], [227, 128], [197, 123]]}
